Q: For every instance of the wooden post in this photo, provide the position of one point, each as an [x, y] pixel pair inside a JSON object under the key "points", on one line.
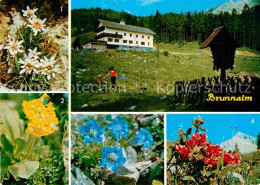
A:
{"points": [[223, 75]]}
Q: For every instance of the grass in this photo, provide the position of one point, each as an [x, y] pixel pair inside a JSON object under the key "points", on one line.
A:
{"points": [[84, 38], [145, 69]]}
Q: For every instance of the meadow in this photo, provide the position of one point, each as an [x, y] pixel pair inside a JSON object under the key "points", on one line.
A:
{"points": [[149, 76]]}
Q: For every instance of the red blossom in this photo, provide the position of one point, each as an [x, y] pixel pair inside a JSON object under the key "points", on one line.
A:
{"points": [[198, 139], [183, 151], [212, 153], [231, 158]]}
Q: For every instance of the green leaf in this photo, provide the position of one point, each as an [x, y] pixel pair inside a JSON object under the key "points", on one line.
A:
{"points": [[7, 145], [227, 169], [23, 169], [156, 171], [220, 163], [188, 178], [20, 146], [10, 123], [5, 162], [202, 128], [189, 131]]}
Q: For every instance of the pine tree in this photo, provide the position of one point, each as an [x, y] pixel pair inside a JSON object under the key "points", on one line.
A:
{"points": [[76, 43], [236, 148]]}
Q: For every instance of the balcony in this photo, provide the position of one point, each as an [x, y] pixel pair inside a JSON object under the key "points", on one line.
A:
{"points": [[102, 35]]}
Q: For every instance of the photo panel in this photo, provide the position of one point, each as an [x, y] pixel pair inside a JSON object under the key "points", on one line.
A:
{"points": [[34, 130], [117, 149], [213, 148], [34, 42], [164, 56]]}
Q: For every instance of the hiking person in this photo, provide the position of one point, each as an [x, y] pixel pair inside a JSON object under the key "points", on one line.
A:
{"points": [[113, 74], [100, 81]]}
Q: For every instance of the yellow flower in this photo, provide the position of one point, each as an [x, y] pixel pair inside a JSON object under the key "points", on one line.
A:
{"points": [[41, 115]]}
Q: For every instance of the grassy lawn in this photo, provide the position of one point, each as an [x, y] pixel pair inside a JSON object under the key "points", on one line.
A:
{"points": [[146, 70]]}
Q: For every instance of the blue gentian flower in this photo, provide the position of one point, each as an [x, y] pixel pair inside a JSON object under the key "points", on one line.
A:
{"points": [[92, 132], [144, 138], [112, 157], [118, 128]]}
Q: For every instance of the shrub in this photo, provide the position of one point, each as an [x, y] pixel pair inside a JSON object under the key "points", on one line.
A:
{"points": [[166, 53], [199, 161]]}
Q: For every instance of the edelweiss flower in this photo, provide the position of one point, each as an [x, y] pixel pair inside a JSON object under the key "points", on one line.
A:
{"points": [[49, 67], [92, 132], [37, 25], [42, 117], [14, 47], [29, 65], [29, 12], [1, 47], [34, 54], [112, 158], [119, 128]]}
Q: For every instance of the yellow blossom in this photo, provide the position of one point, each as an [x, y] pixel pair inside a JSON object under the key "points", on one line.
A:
{"points": [[41, 115]]}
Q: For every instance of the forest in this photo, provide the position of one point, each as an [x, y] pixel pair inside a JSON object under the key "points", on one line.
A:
{"points": [[178, 28]]}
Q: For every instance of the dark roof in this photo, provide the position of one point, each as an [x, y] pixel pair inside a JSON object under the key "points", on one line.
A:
{"points": [[211, 37], [95, 42], [116, 25]]}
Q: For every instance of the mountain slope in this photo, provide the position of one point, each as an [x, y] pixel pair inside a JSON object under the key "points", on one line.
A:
{"points": [[246, 143], [230, 5]]}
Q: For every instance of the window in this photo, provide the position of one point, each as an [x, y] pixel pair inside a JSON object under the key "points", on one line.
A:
{"points": [[148, 37], [124, 34], [116, 40], [116, 33], [142, 43], [136, 36], [130, 34], [110, 40], [142, 36], [131, 42], [125, 41], [148, 43], [136, 42]]}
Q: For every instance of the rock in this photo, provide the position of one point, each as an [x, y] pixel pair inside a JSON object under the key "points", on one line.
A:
{"points": [[163, 97], [84, 106], [132, 108], [234, 175]]}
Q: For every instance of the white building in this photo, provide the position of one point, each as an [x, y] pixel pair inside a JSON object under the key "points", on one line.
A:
{"points": [[122, 36]]}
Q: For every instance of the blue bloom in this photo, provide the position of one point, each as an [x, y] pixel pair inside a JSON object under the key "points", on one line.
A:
{"points": [[112, 157], [92, 132], [118, 128], [144, 138]]}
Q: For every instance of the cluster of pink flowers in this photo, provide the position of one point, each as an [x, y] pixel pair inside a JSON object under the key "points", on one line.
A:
{"points": [[197, 139], [211, 152], [183, 151], [231, 158]]}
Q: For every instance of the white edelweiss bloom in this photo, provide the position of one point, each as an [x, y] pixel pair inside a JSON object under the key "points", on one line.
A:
{"points": [[29, 12], [29, 66], [49, 67], [14, 47], [33, 54], [1, 47], [37, 25]]}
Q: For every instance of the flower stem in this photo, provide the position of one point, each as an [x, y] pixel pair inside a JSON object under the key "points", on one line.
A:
{"points": [[29, 148]]}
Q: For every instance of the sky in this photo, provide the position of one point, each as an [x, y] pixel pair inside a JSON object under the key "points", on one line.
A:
{"points": [[148, 7], [218, 125]]}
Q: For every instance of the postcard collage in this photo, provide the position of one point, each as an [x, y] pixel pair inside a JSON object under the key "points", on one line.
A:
{"points": [[130, 92]]}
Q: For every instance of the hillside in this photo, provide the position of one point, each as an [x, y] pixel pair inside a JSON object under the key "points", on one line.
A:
{"points": [[146, 70]]}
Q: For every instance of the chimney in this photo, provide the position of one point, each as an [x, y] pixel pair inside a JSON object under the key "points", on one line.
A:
{"points": [[122, 22]]}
